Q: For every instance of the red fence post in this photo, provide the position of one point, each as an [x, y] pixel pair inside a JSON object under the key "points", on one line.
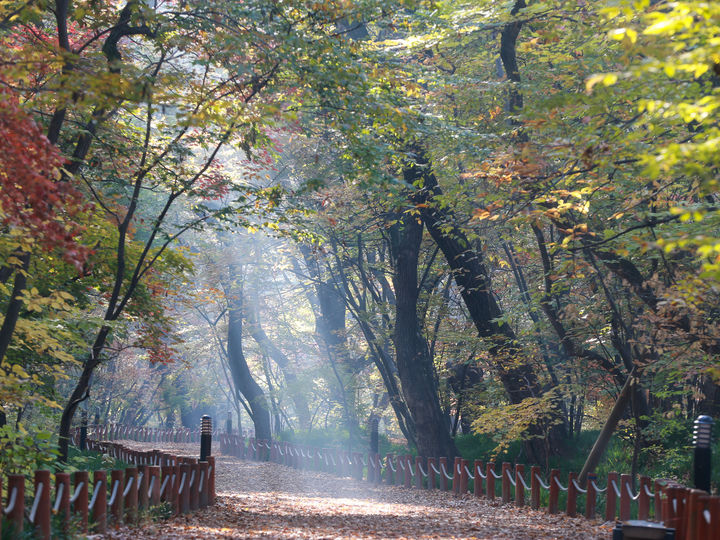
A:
{"points": [[643, 498], [590, 496], [116, 495], [571, 509], [80, 480], [490, 480], [143, 484], [478, 483], [131, 498], [693, 513], [99, 509], [418, 472], [211, 480], [203, 484], [611, 497], [505, 482], [431, 473], [464, 477], [443, 473], [62, 490], [194, 485], [184, 488], [408, 471], [42, 514], [554, 492], [659, 489], [170, 494], [154, 485], [625, 499], [17, 514], [519, 488], [456, 476]]}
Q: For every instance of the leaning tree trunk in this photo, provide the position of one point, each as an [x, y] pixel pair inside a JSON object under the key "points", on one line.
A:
{"points": [[415, 366], [242, 378], [471, 276]]}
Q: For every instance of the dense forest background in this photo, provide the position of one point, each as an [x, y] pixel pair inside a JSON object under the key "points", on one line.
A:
{"points": [[490, 228]]}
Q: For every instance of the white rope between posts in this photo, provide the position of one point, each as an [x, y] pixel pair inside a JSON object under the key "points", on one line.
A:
{"points": [[202, 481], [707, 516], [496, 475], [96, 491], [58, 497], [467, 471], [412, 470], [114, 493], [332, 458], [648, 492], [36, 502], [432, 466], [182, 483], [578, 487], [596, 488], [373, 464], [512, 480], [442, 467], [542, 484], [327, 463], [522, 481], [479, 471], [192, 479], [559, 484], [421, 470], [128, 486], [139, 483], [615, 488], [630, 493], [11, 502], [151, 484], [164, 485], [401, 462], [364, 461], [392, 467], [281, 452]]}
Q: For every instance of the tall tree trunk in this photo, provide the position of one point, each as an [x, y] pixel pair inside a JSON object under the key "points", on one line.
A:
{"points": [[517, 376], [242, 378], [415, 366], [330, 310], [273, 351]]}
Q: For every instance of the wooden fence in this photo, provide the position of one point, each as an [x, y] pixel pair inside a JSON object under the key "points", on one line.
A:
{"points": [[694, 514], [151, 479]]}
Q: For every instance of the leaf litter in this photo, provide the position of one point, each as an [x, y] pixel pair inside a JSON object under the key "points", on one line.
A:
{"points": [[267, 500]]}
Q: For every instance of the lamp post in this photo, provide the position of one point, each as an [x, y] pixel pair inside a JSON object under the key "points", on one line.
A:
{"points": [[205, 437], [702, 439]]}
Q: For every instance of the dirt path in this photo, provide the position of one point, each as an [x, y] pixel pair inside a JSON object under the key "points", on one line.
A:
{"points": [[266, 500]]}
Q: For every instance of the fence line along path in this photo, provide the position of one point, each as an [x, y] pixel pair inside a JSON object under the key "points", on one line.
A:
{"points": [[257, 499]]}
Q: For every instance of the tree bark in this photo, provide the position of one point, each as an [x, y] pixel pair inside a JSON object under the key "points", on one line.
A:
{"points": [[273, 351], [608, 429], [415, 366], [241, 375]]}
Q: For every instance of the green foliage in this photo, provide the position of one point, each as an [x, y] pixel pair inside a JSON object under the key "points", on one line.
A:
{"points": [[23, 452]]}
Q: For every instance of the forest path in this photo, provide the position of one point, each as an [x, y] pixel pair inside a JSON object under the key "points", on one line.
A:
{"points": [[267, 500]]}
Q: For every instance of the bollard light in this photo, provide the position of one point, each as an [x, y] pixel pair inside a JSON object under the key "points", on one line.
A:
{"points": [[702, 439], [205, 437]]}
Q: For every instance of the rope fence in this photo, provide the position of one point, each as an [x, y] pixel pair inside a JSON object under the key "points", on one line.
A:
{"points": [[693, 512], [150, 480]]}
